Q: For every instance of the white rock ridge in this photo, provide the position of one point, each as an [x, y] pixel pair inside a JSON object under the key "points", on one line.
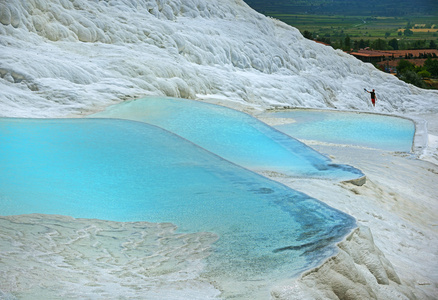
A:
{"points": [[359, 271]]}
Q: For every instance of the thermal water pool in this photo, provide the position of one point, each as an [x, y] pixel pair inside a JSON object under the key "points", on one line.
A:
{"points": [[351, 128], [130, 171], [233, 135]]}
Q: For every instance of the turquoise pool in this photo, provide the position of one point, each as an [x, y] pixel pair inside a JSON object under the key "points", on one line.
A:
{"points": [[383, 132], [127, 171], [233, 135]]}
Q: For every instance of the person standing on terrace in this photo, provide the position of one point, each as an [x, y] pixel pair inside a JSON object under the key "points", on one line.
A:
{"points": [[373, 96]]}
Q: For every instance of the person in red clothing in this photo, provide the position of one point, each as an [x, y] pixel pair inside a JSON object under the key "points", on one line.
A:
{"points": [[373, 96]]}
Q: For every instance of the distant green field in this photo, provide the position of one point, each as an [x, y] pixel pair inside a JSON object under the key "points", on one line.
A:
{"points": [[388, 8], [360, 27]]}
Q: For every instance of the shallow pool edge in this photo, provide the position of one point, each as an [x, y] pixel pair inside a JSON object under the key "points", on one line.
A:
{"points": [[419, 141]]}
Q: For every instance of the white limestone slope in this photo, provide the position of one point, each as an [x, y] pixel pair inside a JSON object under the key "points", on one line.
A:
{"points": [[63, 58]]}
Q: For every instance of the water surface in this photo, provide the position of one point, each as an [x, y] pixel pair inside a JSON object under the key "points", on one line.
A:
{"points": [[361, 129], [130, 171], [233, 135]]}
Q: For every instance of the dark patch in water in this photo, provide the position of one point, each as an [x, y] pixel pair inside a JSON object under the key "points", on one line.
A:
{"points": [[264, 191]]}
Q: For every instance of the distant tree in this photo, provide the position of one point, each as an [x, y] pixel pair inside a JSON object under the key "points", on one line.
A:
{"points": [[413, 78], [424, 74], [308, 35], [431, 65], [393, 43], [362, 44], [340, 45], [433, 45], [325, 40], [347, 43], [387, 34], [404, 65], [420, 44], [379, 44], [355, 45], [408, 32]]}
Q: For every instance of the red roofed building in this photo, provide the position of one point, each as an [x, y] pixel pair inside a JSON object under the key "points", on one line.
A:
{"points": [[370, 56], [389, 59]]}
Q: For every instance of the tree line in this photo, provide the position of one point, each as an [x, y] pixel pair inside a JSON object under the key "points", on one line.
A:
{"points": [[406, 70], [415, 75], [347, 44]]}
